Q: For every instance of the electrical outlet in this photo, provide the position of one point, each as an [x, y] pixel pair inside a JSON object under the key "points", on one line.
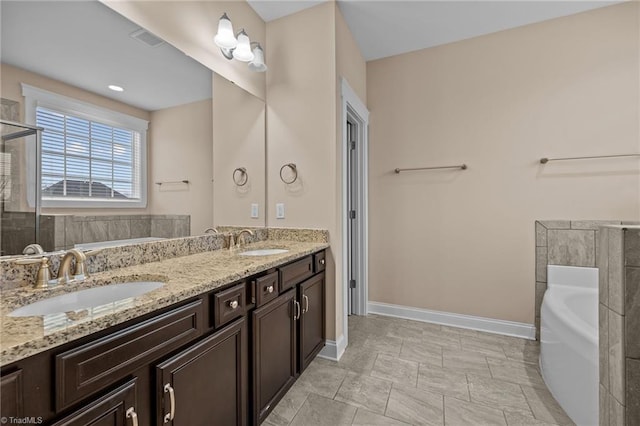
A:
{"points": [[279, 210], [254, 211]]}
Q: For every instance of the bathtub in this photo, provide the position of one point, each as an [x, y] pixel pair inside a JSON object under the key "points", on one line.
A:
{"points": [[569, 357]]}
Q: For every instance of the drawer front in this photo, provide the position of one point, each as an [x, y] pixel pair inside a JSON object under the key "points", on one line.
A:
{"points": [[229, 304], [266, 288], [91, 367], [295, 272], [319, 262]]}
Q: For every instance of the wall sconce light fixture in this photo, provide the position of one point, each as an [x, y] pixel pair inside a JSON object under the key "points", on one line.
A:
{"points": [[239, 46]]}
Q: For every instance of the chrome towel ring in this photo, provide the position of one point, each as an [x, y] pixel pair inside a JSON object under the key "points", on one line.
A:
{"points": [[294, 172], [240, 176]]}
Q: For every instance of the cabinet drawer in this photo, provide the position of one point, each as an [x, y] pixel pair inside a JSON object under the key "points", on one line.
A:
{"points": [[91, 367], [319, 262], [295, 272], [229, 304], [266, 288]]}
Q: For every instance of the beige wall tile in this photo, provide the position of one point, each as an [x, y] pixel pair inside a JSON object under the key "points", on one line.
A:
{"points": [[616, 356], [571, 247], [616, 271]]}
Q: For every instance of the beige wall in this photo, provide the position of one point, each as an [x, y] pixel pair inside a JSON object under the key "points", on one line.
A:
{"points": [[463, 241], [301, 114], [191, 26], [238, 141], [182, 148], [351, 66]]}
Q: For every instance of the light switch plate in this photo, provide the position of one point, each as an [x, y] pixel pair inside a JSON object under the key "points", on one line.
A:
{"points": [[254, 211], [279, 210]]}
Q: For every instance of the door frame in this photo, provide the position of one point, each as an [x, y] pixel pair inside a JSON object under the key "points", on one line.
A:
{"points": [[357, 111]]}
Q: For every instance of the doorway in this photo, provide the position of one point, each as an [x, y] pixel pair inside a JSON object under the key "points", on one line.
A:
{"points": [[355, 199]]}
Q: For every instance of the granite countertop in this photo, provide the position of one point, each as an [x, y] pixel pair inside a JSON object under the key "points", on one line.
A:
{"points": [[184, 277]]}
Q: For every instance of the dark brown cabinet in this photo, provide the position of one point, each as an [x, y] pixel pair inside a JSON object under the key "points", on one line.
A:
{"points": [[274, 352], [312, 319], [225, 358], [11, 394], [206, 384], [117, 408]]}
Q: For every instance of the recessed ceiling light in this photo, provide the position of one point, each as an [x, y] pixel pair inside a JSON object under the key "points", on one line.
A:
{"points": [[116, 88]]}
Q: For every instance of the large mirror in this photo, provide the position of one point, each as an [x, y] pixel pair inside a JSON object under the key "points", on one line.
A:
{"points": [[58, 61]]}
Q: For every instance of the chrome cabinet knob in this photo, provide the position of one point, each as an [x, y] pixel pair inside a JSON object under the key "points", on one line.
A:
{"points": [[322, 261], [269, 289], [233, 304]]}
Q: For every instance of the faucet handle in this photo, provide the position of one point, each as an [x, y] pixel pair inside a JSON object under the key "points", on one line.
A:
{"points": [[43, 277]]}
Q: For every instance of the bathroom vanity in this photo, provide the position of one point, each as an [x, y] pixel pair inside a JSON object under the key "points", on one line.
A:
{"points": [[221, 351]]}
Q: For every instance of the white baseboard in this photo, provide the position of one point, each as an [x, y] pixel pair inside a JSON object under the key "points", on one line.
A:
{"points": [[490, 325], [333, 350]]}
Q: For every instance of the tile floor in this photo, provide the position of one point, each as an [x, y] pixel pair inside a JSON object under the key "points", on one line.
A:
{"points": [[401, 372]]}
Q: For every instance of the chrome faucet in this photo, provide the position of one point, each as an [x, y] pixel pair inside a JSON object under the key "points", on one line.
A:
{"points": [[236, 242], [80, 272], [64, 271], [241, 233]]}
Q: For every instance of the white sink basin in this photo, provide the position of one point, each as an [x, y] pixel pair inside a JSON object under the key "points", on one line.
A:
{"points": [[263, 252], [85, 299]]}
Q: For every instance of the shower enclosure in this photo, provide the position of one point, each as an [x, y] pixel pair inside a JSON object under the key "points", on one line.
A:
{"points": [[19, 186]]}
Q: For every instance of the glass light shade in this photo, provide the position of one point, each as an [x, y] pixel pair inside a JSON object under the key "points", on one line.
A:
{"points": [[258, 64], [225, 38], [243, 51]]}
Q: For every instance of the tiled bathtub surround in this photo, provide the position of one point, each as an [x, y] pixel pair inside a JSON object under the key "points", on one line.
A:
{"points": [[619, 311], [12, 275], [566, 243]]}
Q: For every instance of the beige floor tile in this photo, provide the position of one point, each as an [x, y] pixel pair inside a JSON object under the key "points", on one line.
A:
{"points": [[465, 361], [385, 344], [446, 340], [481, 346], [414, 406], [519, 419], [364, 391], [318, 410], [321, 379], [443, 381], [405, 332], [462, 413], [515, 371], [395, 370], [544, 406], [288, 406], [528, 351], [497, 394], [359, 359], [367, 418], [421, 352]]}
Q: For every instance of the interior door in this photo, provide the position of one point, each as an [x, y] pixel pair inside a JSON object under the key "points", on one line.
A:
{"points": [[352, 213]]}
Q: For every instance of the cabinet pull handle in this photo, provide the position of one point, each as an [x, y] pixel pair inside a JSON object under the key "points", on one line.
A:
{"points": [[131, 414], [233, 304], [322, 261], [306, 304], [297, 305], [269, 289], [172, 398]]}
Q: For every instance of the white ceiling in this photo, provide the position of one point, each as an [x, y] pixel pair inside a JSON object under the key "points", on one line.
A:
{"points": [[88, 45], [386, 28]]}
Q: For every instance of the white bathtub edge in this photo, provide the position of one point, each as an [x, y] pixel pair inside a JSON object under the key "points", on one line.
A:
{"points": [[489, 325]]}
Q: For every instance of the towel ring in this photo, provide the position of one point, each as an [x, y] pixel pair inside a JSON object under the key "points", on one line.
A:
{"points": [[243, 173], [294, 170]]}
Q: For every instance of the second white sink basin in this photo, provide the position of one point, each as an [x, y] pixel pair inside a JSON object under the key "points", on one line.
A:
{"points": [[263, 252], [85, 299]]}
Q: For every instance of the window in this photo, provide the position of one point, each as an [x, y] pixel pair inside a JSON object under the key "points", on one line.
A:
{"points": [[90, 156]]}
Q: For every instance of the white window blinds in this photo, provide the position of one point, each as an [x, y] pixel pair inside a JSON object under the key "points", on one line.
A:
{"points": [[87, 159]]}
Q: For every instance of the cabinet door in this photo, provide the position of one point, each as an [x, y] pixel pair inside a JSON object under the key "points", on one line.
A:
{"points": [[274, 352], [11, 395], [206, 384], [117, 408], [312, 320]]}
